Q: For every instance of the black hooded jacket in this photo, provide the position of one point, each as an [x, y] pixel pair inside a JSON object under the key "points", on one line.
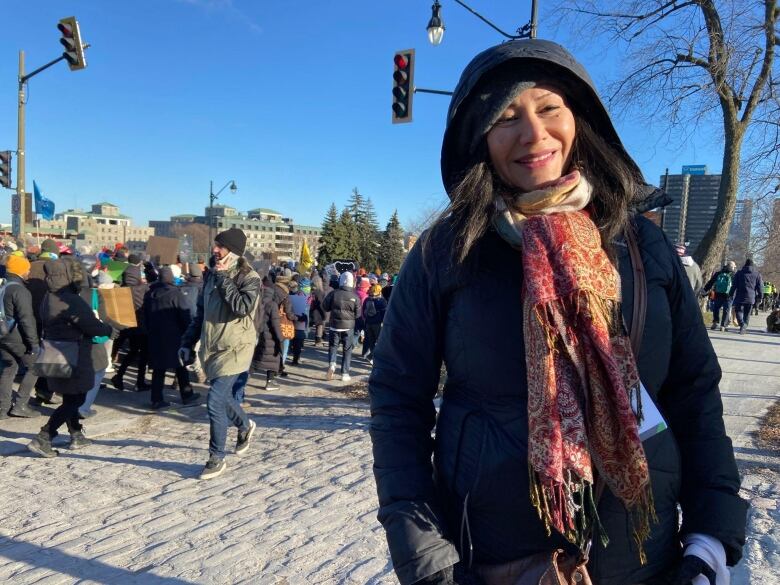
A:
{"points": [[66, 315], [167, 316], [18, 306], [463, 492]]}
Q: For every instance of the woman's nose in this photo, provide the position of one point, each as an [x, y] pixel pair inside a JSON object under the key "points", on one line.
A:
{"points": [[532, 129]]}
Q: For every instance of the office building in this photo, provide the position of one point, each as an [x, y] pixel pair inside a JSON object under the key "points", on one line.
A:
{"points": [[694, 195]]}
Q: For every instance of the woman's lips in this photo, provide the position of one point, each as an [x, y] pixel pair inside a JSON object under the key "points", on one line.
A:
{"points": [[536, 160]]}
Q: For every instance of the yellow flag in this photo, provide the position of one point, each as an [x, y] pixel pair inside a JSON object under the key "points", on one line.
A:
{"points": [[306, 261]]}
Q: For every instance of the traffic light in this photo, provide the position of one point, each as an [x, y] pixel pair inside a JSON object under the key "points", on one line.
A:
{"points": [[403, 86], [71, 40], [5, 169]]}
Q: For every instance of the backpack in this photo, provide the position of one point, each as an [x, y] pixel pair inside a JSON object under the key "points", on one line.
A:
{"points": [[723, 283], [7, 324], [370, 308]]}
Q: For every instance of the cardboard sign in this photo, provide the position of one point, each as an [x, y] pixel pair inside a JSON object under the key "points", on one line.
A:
{"points": [[162, 250], [119, 307]]}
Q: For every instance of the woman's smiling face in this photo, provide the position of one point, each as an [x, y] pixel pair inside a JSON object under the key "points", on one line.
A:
{"points": [[530, 145]]}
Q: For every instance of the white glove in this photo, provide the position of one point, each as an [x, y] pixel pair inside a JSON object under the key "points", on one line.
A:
{"points": [[711, 551]]}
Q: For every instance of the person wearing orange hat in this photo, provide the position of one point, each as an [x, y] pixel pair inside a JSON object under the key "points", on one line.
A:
{"points": [[20, 344]]}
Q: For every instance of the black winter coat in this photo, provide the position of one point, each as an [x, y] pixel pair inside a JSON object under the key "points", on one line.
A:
{"points": [[747, 286], [344, 308], [18, 306], [317, 312], [167, 315], [269, 342], [66, 315], [471, 319], [380, 306]]}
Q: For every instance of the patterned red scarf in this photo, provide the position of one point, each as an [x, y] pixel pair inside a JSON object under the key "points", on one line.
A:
{"points": [[581, 374]]}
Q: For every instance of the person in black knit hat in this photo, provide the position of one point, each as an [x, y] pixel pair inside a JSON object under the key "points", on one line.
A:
{"points": [[224, 324]]}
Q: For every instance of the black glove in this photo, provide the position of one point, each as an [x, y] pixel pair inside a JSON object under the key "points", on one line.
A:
{"points": [[455, 575], [692, 566]]}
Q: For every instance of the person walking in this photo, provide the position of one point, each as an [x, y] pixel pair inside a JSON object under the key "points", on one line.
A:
{"points": [[720, 285], [746, 290], [20, 345], [167, 316], [224, 324], [374, 308], [317, 314], [527, 287], [36, 284], [66, 316], [137, 337], [344, 308], [268, 353], [299, 302], [692, 270]]}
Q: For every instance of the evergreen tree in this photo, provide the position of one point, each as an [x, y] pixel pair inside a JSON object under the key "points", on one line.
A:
{"points": [[345, 237], [326, 253], [391, 253], [363, 215]]}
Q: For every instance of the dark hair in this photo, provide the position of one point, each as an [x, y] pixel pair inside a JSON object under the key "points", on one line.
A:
{"points": [[616, 182]]}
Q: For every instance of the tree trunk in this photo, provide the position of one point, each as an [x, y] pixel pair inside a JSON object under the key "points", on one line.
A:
{"points": [[709, 254]]}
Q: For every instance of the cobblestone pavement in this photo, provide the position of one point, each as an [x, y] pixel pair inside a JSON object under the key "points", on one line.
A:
{"points": [[298, 508]]}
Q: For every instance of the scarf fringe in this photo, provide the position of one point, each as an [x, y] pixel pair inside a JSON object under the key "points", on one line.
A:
{"points": [[571, 509]]}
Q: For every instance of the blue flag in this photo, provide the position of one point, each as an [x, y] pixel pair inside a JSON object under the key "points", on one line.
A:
{"points": [[43, 207]]}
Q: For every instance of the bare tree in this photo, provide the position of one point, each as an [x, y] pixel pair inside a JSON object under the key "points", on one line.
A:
{"points": [[701, 64]]}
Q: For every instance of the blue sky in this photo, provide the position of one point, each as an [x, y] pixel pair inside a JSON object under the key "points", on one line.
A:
{"points": [[289, 98]]}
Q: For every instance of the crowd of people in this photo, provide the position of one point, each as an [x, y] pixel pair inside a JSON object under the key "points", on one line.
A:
{"points": [[217, 322]]}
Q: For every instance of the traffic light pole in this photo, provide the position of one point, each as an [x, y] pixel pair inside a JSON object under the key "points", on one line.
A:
{"points": [[18, 206]]}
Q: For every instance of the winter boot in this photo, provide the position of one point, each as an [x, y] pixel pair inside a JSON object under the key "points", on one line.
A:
{"points": [[23, 411], [270, 381], [78, 440], [41, 444], [117, 382]]}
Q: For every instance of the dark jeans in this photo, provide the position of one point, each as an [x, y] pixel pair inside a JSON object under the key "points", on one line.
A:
{"points": [[239, 385], [223, 409], [743, 313], [297, 343], [372, 336], [138, 347], [66, 413], [10, 358], [158, 382], [336, 338], [725, 305]]}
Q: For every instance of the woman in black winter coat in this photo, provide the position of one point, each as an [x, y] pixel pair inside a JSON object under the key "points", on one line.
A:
{"points": [[167, 316], [524, 289], [269, 338], [317, 313], [67, 316]]}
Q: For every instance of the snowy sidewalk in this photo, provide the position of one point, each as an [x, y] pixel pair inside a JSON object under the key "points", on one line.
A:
{"points": [[298, 508]]}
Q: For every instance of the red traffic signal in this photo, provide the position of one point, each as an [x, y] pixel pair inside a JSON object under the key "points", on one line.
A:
{"points": [[71, 40], [403, 86], [5, 169]]}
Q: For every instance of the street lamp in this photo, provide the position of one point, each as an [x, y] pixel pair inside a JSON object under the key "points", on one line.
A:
{"points": [[435, 26], [212, 198]]}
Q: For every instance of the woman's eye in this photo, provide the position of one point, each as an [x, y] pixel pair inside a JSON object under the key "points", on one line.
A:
{"points": [[550, 108], [507, 120]]}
